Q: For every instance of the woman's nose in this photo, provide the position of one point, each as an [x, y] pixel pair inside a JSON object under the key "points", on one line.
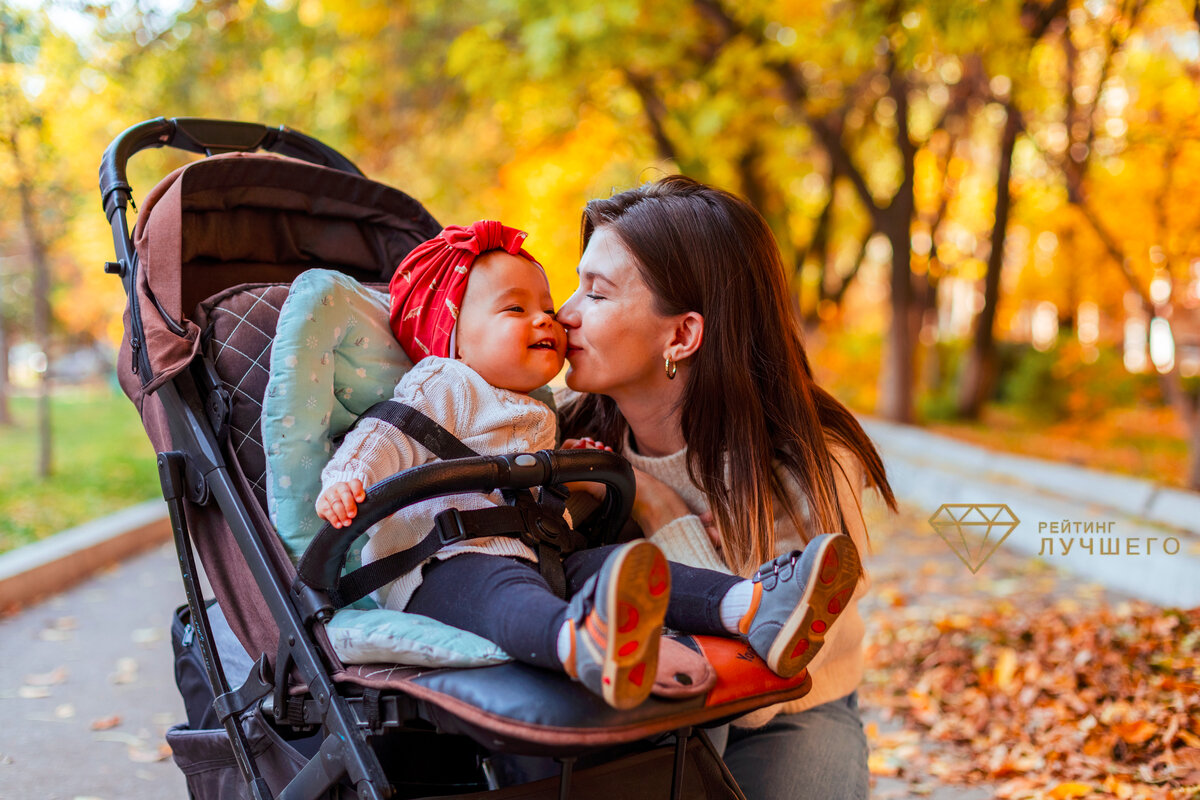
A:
{"points": [[567, 315]]}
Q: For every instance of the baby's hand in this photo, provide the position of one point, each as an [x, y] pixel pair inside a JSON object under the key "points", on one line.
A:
{"points": [[338, 504], [586, 443]]}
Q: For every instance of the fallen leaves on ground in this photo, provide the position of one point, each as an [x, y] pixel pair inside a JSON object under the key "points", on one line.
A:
{"points": [[106, 723], [126, 671], [51, 678], [58, 630], [140, 748], [148, 755], [1021, 680], [1057, 701]]}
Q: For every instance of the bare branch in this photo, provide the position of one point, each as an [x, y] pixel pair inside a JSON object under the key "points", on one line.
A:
{"points": [[656, 113], [796, 93]]}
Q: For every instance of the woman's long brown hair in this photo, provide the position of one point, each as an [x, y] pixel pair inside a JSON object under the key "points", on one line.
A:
{"points": [[750, 402]]}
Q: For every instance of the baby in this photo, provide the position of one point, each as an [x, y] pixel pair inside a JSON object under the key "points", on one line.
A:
{"points": [[473, 311]]}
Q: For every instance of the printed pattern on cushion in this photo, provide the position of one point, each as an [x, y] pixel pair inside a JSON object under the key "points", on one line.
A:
{"points": [[334, 357]]}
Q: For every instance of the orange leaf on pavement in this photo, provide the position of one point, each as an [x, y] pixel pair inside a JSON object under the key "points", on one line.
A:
{"points": [[106, 723], [1071, 789], [1136, 732]]}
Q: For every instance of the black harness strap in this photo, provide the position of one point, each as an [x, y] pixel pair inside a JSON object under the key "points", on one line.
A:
{"points": [[538, 525], [450, 526], [436, 439]]}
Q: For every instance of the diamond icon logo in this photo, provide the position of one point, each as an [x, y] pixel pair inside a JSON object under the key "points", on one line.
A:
{"points": [[974, 530]]}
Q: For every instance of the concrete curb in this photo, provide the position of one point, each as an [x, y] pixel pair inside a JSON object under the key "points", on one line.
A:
{"points": [[1123, 494], [36, 571], [1140, 519]]}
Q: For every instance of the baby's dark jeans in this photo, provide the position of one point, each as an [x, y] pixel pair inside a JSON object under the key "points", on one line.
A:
{"points": [[506, 601]]}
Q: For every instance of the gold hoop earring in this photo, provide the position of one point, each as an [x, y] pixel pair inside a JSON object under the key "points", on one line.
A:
{"points": [[671, 367]]}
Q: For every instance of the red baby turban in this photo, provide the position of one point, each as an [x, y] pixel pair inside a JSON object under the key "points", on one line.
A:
{"points": [[428, 287]]}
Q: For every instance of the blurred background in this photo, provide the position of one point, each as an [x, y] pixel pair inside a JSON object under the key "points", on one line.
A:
{"points": [[987, 210]]}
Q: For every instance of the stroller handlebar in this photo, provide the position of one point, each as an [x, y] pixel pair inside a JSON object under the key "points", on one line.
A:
{"points": [[209, 137], [321, 565]]}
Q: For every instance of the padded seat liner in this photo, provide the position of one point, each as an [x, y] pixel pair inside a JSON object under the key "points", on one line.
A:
{"points": [[522, 709]]}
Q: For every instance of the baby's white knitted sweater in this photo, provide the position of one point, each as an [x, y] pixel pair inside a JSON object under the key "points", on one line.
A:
{"points": [[487, 419], [838, 668]]}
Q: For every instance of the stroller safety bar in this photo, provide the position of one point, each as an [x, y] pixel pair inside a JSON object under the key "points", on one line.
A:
{"points": [[208, 137], [322, 563]]}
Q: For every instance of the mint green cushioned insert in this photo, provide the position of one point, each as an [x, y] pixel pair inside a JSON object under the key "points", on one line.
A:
{"points": [[381, 636], [334, 357]]}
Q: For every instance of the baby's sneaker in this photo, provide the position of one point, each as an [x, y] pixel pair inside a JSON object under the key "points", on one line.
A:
{"points": [[616, 624], [796, 598]]}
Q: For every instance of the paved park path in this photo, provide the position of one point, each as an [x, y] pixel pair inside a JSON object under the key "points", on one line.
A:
{"points": [[87, 689]]}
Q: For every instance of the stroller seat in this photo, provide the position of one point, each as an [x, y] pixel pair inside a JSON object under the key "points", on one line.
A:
{"points": [[510, 707], [217, 244]]}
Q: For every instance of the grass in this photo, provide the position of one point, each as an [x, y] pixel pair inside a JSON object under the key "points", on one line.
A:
{"points": [[102, 462]]}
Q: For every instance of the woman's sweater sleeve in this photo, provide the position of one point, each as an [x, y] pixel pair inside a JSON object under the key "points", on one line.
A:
{"points": [[685, 541]]}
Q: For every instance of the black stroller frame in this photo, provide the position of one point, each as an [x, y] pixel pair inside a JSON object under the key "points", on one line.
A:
{"points": [[195, 470]]}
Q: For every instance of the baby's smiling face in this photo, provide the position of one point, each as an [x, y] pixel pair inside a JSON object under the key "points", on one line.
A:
{"points": [[506, 327]]}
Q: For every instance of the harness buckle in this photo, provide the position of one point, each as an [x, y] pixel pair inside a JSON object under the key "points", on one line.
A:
{"points": [[449, 527]]}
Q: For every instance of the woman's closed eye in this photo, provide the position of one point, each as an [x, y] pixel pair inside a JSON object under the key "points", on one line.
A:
{"points": [[594, 296]]}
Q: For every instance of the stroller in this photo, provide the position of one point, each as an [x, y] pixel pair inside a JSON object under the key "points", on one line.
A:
{"points": [[273, 710]]}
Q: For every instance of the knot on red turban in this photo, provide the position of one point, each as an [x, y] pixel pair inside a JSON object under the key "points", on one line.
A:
{"points": [[428, 286]]}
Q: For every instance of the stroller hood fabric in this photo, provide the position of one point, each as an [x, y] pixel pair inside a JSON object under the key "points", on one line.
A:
{"points": [[241, 219], [247, 218]]}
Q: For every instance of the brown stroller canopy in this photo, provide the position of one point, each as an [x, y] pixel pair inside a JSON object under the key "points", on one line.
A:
{"points": [[255, 218]]}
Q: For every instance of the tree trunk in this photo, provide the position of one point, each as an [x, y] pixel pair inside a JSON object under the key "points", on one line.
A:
{"points": [[1193, 479], [899, 385], [979, 373], [5, 410], [41, 309], [896, 392], [818, 248]]}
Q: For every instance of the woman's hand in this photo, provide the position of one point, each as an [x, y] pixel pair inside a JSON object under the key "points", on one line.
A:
{"points": [[656, 503], [710, 527]]}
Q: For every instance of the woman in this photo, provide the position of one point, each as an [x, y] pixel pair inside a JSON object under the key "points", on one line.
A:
{"points": [[686, 358]]}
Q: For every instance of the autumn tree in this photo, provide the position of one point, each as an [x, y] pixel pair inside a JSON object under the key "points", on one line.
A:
{"points": [[21, 136], [764, 97]]}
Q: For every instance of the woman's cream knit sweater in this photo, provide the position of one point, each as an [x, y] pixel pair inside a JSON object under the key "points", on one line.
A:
{"points": [[838, 668]]}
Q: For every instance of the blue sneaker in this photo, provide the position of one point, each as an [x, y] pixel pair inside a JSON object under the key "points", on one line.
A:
{"points": [[616, 624], [797, 597]]}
